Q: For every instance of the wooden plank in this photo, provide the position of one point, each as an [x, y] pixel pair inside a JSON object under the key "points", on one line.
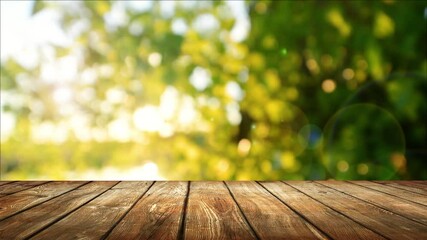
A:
{"points": [[407, 185], [213, 214], [270, 218], [5, 182], [412, 184], [331, 222], [19, 186], [157, 215], [393, 204], [422, 182], [96, 218], [20, 201], [33, 220], [397, 192], [378, 220]]}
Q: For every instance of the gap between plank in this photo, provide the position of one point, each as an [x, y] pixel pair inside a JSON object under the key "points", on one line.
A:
{"points": [[7, 194], [127, 211], [241, 212], [181, 232], [77, 208], [7, 182], [342, 214], [25, 209], [306, 220], [423, 205], [394, 186], [374, 205]]}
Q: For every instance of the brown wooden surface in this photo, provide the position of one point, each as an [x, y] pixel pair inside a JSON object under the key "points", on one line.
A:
{"points": [[213, 210], [48, 212], [95, 218], [20, 201], [391, 203], [319, 214], [400, 193], [155, 216], [383, 222], [14, 187], [5, 182], [270, 218], [212, 213], [407, 185]]}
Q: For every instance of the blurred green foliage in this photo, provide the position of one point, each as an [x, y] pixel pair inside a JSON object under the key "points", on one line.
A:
{"points": [[317, 90]]}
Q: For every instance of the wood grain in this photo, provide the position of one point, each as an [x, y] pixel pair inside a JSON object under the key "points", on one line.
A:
{"points": [[381, 221], [157, 215], [14, 203], [5, 182], [50, 211], [17, 187], [393, 204], [214, 210], [416, 187], [213, 214], [397, 192], [319, 214], [96, 218], [261, 210]]}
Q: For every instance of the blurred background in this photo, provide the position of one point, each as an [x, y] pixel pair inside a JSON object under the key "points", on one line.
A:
{"points": [[227, 90]]}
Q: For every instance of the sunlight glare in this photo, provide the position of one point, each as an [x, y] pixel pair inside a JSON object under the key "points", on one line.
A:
{"points": [[116, 95], [205, 23], [62, 95], [120, 130], [154, 59], [179, 26], [168, 102], [48, 132], [241, 27], [116, 17], [7, 125], [79, 124], [233, 113], [234, 90], [148, 171], [200, 78], [140, 6], [148, 119], [188, 112], [62, 70]]}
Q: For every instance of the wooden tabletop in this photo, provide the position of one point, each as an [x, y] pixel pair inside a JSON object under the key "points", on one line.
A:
{"points": [[213, 210]]}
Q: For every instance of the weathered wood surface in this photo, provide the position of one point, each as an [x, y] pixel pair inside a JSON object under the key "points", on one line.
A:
{"points": [[212, 213], [320, 215], [48, 212], [415, 186], [95, 219], [214, 210], [157, 215], [14, 187], [396, 192], [20, 201]]}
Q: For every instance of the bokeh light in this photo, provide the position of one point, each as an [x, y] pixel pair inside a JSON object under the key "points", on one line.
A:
{"points": [[213, 90], [328, 86], [360, 129]]}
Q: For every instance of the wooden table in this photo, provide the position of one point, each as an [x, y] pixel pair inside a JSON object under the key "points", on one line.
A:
{"points": [[214, 210]]}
